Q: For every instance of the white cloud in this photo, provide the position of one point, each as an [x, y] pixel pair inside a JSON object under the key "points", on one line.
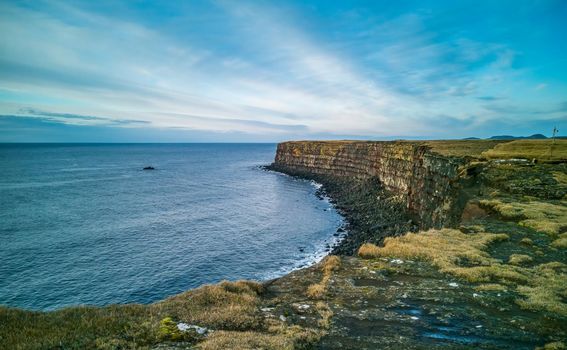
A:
{"points": [[280, 80]]}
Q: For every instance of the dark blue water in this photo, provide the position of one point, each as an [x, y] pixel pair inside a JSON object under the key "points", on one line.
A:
{"points": [[83, 224]]}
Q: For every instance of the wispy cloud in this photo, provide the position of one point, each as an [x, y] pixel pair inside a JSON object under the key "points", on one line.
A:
{"points": [[266, 69], [68, 118]]}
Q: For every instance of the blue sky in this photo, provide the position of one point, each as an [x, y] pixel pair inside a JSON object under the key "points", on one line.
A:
{"points": [[265, 71]]}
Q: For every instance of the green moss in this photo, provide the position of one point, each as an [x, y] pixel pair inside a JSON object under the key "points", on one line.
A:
{"points": [[168, 331]]}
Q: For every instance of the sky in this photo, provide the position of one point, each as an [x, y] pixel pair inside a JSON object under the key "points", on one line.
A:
{"points": [[268, 71]]}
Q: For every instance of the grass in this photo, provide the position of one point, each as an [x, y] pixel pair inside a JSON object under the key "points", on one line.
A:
{"points": [[453, 148], [540, 288], [547, 289], [231, 309], [278, 337], [560, 177], [519, 259], [316, 291], [527, 241], [558, 345], [116, 326], [463, 148], [541, 150], [246, 340], [325, 312], [327, 266], [561, 242], [227, 305], [541, 216], [448, 250], [369, 251]]}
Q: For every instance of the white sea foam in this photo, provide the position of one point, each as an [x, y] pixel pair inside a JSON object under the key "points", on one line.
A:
{"points": [[319, 253]]}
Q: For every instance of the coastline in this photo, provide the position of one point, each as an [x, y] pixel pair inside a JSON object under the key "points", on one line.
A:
{"points": [[492, 280], [328, 245]]}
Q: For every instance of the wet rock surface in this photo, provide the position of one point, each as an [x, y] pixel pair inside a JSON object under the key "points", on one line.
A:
{"points": [[385, 304], [394, 303]]}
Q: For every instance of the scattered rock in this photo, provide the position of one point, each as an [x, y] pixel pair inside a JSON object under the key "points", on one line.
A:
{"points": [[184, 327]]}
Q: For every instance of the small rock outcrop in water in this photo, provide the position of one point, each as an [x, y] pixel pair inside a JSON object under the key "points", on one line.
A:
{"points": [[149, 168]]}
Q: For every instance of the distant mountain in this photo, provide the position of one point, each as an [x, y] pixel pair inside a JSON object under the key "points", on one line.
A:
{"points": [[471, 138], [509, 137], [537, 136], [504, 137]]}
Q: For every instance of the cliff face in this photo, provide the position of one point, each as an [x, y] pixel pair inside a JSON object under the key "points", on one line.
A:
{"points": [[425, 181]]}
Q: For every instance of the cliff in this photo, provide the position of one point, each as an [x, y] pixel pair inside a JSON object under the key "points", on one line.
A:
{"points": [[495, 282], [427, 182]]}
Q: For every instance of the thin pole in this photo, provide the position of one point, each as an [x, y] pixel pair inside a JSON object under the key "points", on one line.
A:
{"points": [[552, 142]]}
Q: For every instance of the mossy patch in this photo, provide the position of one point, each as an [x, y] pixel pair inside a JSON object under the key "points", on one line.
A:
{"points": [[448, 250], [549, 218], [547, 289], [541, 288], [519, 259], [168, 330]]}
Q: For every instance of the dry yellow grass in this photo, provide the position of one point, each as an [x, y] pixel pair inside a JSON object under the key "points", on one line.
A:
{"points": [[558, 345], [547, 289], [316, 291], [542, 287], [276, 336], [368, 251], [249, 340], [527, 241], [560, 177], [561, 242], [227, 305], [541, 216], [326, 313], [519, 259], [328, 265], [462, 148], [447, 249], [542, 150]]}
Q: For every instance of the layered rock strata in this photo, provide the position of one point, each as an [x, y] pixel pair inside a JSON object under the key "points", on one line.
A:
{"points": [[425, 181]]}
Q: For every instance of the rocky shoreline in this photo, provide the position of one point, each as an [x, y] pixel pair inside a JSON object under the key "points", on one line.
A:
{"points": [[493, 277], [371, 213]]}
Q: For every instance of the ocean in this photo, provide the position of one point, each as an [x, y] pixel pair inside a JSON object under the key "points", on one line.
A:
{"points": [[84, 224]]}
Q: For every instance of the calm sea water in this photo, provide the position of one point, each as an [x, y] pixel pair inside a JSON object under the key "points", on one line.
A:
{"points": [[83, 224]]}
